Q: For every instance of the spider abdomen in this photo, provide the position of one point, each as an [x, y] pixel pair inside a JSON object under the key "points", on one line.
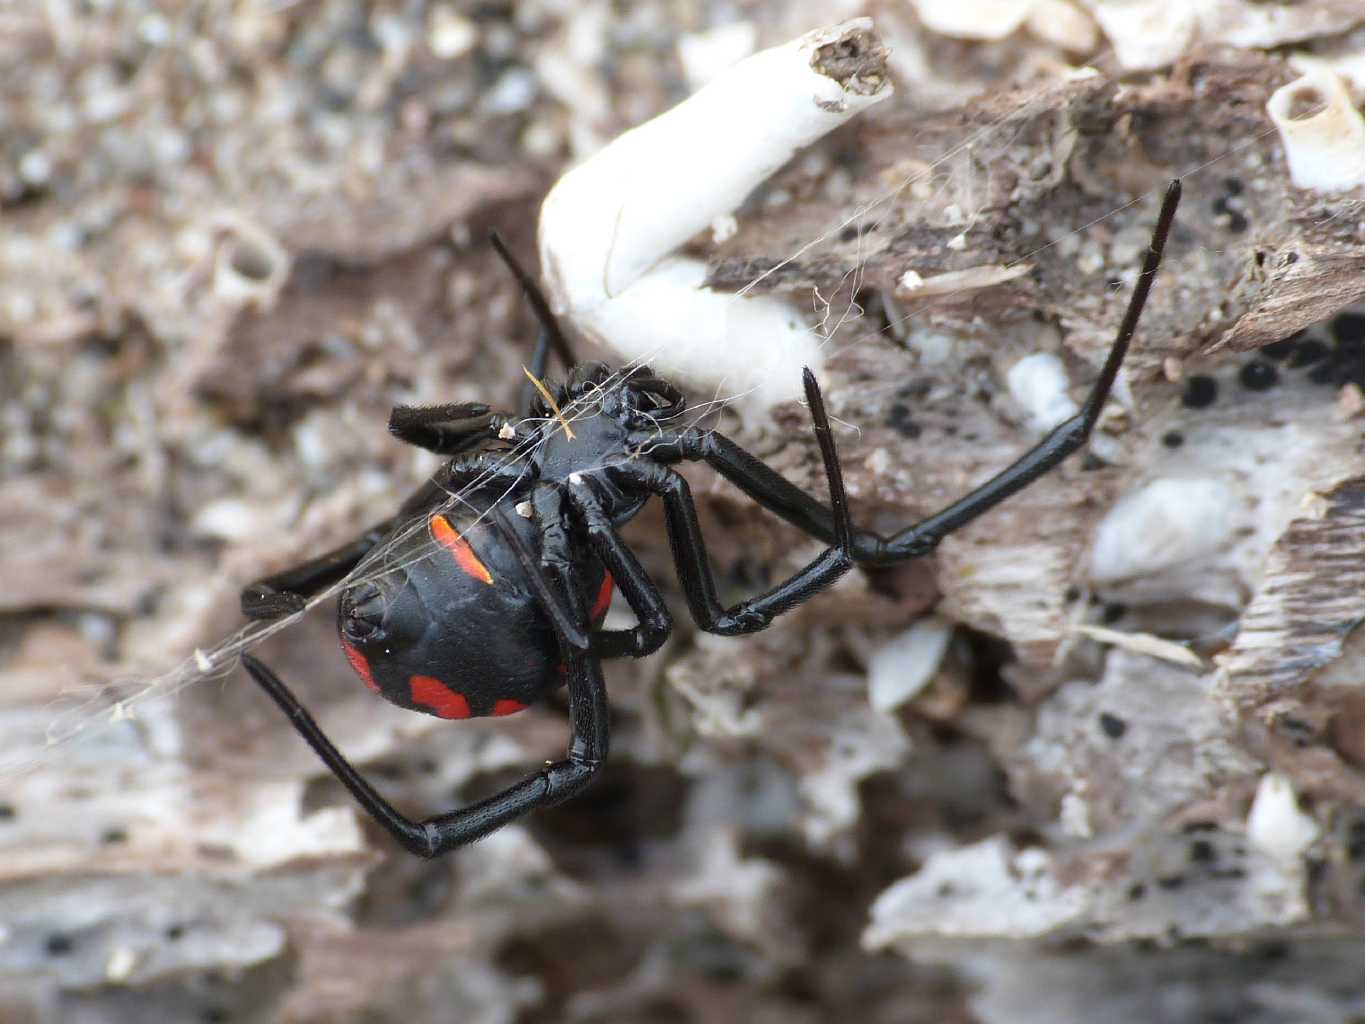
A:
{"points": [[442, 620]]}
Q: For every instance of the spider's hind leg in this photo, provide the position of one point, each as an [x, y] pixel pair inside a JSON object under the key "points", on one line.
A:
{"points": [[625, 570], [442, 833], [588, 715], [288, 592]]}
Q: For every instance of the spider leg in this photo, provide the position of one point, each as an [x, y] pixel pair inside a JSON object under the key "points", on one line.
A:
{"points": [[1062, 440], [689, 547], [641, 593], [781, 497], [554, 561], [588, 719], [550, 335], [288, 592], [441, 833], [445, 429], [549, 324], [540, 361], [548, 505], [450, 429]]}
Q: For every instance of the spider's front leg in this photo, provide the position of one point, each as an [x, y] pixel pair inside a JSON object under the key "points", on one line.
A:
{"points": [[640, 592], [773, 492], [689, 546], [446, 429]]}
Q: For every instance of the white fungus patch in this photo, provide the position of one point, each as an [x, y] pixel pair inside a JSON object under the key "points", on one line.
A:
{"points": [[752, 348], [275, 829], [723, 228], [1039, 384], [1149, 34], [1276, 825], [861, 744], [740, 891], [1062, 24], [239, 520], [119, 967], [910, 281], [450, 34], [509, 866], [879, 461], [978, 891], [1168, 522]]}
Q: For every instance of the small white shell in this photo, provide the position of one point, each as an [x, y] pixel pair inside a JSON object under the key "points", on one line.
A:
{"points": [[1325, 149], [904, 665], [250, 264]]}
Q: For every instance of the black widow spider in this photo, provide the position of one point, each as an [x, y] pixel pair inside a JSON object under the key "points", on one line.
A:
{"points": [[507, 604]]}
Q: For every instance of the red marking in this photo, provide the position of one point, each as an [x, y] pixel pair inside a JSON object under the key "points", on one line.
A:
{"points": [[459, 547], [507, 707], [443, 701], [361, 666], [603, 602]]}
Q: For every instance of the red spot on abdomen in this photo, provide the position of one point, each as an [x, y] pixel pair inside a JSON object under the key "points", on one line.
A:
{"points": [[443, 701], [507, 707], [449, 538], [603, 602], [361, 665]]}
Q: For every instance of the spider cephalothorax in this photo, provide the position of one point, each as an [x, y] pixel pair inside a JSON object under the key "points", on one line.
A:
{"points": [[633, 396], [489, 586]]}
